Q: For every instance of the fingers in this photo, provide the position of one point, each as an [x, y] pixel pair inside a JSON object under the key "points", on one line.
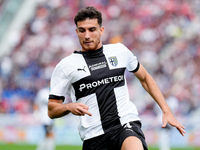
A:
{"points": [[164, 124], [85, 111], [170, 119], [181, 129], [79, 109], [178, 126]]}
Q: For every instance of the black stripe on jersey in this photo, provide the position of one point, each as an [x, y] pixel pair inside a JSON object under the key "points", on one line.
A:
{"points": [[56, 97], [102, 81], [137, 68]]}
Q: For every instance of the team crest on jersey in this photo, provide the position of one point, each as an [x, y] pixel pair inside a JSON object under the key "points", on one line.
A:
{"points": [[113, 61]]}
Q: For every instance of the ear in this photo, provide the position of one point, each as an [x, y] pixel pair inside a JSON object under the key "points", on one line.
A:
{"points": [[102, 30], [76, 31]]}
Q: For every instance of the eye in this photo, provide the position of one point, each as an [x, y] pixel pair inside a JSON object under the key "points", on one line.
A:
{"points": [[81, 30], [92, 29]]}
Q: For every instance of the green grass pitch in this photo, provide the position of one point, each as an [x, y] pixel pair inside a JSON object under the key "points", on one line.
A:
{"points": [[33, 147], [65, 147]]}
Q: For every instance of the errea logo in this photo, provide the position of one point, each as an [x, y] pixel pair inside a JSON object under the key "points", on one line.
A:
{"points": [[113, 61]]}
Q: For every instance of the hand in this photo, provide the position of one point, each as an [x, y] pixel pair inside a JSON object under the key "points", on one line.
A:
{"points": [[79, 109], [169, 118]]}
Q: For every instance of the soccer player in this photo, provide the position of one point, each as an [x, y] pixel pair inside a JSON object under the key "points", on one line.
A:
{"points": [[94, 79], [40, 111]]}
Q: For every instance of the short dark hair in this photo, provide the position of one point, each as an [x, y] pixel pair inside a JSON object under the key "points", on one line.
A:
{"points": [[88, 12]]}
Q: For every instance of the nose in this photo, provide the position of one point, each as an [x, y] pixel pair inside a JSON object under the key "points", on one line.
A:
{"points": [[87, 35]]}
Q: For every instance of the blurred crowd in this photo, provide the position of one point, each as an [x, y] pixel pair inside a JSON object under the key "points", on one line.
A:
{"points": [[164, 35]]}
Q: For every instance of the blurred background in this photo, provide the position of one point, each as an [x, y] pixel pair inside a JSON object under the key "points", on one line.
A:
{"points": [[164, 34]]}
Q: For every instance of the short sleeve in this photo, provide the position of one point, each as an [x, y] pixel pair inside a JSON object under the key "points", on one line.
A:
{"points": [[131, 59], [60, 82]]}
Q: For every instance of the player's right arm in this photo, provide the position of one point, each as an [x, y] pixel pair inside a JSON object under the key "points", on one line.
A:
{"points": [[57, 109], [60, 82]]}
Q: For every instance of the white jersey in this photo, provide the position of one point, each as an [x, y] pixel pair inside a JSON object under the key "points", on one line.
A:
{"points": [[42, 102], [96, 78]]}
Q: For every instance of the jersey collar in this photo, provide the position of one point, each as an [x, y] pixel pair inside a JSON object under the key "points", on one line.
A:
{"points": [[91, 53]]}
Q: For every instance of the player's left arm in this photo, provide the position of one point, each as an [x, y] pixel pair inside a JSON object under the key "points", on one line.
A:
{"points": [[151, 87]]}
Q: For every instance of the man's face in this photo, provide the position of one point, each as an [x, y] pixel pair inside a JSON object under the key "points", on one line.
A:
{"points": [[89, 33]]}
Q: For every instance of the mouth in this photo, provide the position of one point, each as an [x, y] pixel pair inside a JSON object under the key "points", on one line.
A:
{"points": [[87, 42]]}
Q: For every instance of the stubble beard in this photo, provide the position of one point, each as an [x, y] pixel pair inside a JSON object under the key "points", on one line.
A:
{"points": [[94, 47]]}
